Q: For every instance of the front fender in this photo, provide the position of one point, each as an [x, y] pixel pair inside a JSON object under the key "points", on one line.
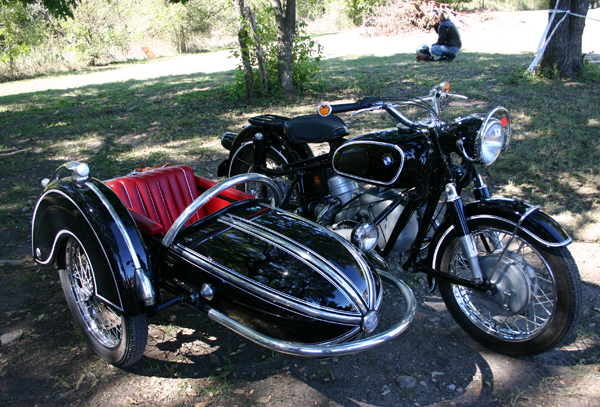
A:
{"points": [[538, 225], [90, 212]]}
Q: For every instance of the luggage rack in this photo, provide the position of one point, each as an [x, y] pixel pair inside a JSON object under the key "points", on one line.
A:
{"points": [[269, 120]]}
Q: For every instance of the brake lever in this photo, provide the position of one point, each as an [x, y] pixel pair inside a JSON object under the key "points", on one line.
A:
{"points": [[454, 96], [366, 109]]}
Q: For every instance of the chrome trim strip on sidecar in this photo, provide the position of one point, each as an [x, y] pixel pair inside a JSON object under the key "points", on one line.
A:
{"points": [[325, 350], [303, 254], [373, 301], [254, 287], [367, 179], [144, 287], [68, 232], [535, 237]]}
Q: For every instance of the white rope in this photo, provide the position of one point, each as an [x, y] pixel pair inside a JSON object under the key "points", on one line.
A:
{"points": [[544, 41], [541, 44]]}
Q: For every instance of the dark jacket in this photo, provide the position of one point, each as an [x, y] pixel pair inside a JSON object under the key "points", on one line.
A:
{"points": [[448, 35]]}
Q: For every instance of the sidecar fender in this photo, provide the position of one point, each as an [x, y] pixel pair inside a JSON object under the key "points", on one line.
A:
{"points": [[278, 140], [91, 213], [538, 225]]}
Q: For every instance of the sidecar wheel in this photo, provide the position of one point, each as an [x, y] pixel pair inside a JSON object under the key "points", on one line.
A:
{"points": [[538, 301], [117, 339]]}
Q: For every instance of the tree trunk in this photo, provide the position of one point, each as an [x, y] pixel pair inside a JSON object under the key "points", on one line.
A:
{"points": [[564, 51], [286, 28], [244, 52], [260, 58]]}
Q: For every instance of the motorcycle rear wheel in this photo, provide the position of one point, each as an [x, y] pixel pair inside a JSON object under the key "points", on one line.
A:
{"points": [[538, 303], [241, 163], [118, 339]]}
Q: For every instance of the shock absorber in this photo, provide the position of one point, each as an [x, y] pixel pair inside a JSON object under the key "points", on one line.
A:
{"points": [[260, 152]]}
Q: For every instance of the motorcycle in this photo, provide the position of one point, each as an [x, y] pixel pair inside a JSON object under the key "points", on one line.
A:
{"points": [[501, 265], [136, 245]]}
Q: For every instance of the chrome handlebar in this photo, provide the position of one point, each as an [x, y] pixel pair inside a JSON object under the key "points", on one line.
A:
{"points": [[434, 98]]}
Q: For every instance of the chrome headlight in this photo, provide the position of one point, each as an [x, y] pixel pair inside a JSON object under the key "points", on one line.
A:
{"points": [[491, 142], [492, 138], [365, 236]]}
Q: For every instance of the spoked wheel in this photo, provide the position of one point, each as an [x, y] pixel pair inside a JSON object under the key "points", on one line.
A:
{"points": [[538, 298], [118, 339], [242, 164]]}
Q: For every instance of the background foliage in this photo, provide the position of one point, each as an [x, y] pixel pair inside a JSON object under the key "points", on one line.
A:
{"points": [[33, 41]]}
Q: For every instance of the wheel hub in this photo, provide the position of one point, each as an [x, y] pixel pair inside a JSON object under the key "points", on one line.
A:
{"points": [[512, 282], [85, 290]]}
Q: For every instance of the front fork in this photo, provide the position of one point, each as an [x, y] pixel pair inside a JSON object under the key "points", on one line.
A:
{"points": [[456, 209]]}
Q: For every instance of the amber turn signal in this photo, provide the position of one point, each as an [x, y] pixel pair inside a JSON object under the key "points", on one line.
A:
{"points": [[324, 109]]}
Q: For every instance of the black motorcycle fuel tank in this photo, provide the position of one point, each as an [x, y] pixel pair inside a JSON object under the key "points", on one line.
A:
{"points": [[395, 158], [279, 274]]}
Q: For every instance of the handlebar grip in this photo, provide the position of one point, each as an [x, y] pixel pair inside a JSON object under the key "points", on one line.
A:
{"points": [[346, 107]]}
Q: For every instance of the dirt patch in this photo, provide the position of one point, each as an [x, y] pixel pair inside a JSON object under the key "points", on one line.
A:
{"points": [[190, 361]]}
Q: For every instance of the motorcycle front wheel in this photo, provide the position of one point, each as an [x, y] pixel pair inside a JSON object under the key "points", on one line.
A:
{"points": [[538, 298], [117, 339]]}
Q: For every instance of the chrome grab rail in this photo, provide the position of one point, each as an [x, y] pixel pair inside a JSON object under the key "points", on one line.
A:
{"points": [[325, 350], [213, 192]]}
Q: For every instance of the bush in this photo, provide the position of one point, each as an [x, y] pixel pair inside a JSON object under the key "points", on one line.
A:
{"points": [[21, 29], [306, 59], [98, 32]]}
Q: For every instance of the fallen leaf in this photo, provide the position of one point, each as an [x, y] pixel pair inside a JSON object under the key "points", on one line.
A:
{"points": [[81, 379]]}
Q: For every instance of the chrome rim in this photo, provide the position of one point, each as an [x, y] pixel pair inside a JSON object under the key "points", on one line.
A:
{"points": [[101, 321], [532, 273], [257, 189]]}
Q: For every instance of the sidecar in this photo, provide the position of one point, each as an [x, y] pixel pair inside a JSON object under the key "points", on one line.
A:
{"points": [[136, 245]]}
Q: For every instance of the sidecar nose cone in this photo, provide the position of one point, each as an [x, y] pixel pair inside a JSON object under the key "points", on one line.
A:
{"points": [[370, 321]]}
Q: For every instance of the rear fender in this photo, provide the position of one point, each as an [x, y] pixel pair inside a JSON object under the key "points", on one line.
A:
{"points": [[93, 214], [279, 140], [537, 225]]}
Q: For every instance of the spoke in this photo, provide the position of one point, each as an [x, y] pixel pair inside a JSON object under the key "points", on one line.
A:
{"points": [[101, 321], [244, 161], [537, 313]]}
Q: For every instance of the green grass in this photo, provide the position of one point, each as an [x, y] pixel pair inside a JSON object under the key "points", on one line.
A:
{"points": [[553, 159]]}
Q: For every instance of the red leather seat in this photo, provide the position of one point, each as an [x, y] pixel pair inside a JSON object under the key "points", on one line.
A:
{"points": [[159, 196]]}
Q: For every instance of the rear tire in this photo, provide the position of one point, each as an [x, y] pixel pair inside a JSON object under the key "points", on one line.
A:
{"points": [[117, 339], [538, 303], [241, 163]]}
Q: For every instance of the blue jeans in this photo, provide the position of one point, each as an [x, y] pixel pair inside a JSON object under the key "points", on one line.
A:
{"points": [[443, 49]]}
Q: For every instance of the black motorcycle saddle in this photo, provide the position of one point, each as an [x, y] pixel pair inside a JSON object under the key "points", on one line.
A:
{"points": [[314, 128]]}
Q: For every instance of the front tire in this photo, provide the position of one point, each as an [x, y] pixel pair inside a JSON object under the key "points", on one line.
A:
{"points": [[538, 301], [117, 339]]}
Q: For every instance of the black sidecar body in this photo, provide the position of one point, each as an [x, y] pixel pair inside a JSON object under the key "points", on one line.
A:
{"points": [[133, 246]]}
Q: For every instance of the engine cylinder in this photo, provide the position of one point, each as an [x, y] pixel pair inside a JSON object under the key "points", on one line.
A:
{"points": [[342, 188]]}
